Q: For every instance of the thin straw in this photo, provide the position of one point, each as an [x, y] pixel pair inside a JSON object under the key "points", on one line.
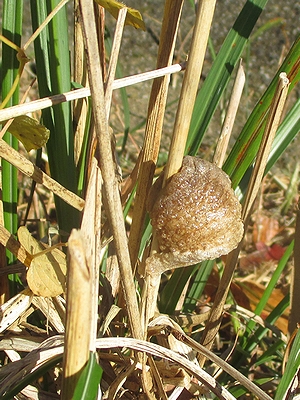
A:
{"points": [[50, 101]]}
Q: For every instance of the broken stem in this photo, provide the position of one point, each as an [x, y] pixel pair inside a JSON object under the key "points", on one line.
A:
{"points": [[275, 113], [230, 117]]}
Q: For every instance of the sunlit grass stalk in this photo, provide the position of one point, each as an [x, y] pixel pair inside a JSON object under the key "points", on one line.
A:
{"points": [[79, 93], [229, 120], [189, 87], [78, 322], [110, 183], [154, 124]]}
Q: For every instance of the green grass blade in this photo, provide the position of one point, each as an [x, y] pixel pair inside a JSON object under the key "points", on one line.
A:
{"points": [[271, 319], [174, 288], [270, 353], [199, 282], [83, 161], [89, 380], [220, 73], [172, 291], [252, 336], [241, 357], [246, 146], [286, 133], [53, 72], [291, 369], [250, 340], [271, 285], [12, 30], [273, 23], [30, 378]]}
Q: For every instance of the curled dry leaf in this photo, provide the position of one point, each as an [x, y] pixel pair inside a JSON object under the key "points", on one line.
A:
{"points": [[30, 132], [196, 217], [133, 16], [46, 275]]}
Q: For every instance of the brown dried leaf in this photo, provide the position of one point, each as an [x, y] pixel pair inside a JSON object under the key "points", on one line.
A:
{"points": [[46, 275], [254, 291]]}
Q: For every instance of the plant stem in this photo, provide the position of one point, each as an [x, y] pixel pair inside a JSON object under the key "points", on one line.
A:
{"points": [[110, 181], [190, 87], [78, 314], [156, 109], [232, 108]]}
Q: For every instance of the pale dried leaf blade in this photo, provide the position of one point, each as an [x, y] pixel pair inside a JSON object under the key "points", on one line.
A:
{"points": [[14, 308], [172, 356], [46, 275]]}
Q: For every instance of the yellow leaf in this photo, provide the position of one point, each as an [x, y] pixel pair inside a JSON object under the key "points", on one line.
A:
{"points": [[133, 16], [30, 132], [46, 275]]}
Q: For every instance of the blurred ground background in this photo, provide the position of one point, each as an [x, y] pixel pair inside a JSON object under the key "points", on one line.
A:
{"points": [[138, 54]]}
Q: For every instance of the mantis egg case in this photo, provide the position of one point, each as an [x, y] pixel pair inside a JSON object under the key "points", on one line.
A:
{"points": [[196, 216]]}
